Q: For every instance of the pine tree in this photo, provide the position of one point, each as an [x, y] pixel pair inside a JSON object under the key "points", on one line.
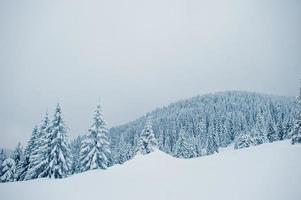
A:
{"points": [[212, 144], [24, 164], [296, 133], [2, 158], [271, 133], [95, 149], [121, 152], [280, 131], [184, 146], [75, 149], [39, 158], [60, 156], [8, 170], [147, 141], [256, 137], [17, 154], [261, 125], [243, 141]]}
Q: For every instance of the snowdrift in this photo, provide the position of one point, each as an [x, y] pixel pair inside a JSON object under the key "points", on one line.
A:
{"points": [[269, 171]]}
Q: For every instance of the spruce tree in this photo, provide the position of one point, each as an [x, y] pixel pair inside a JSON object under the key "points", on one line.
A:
{"points": [[75, 149], [8, 170], [95, 150], [271, 133], [39, 158], [296, 132], [147, 141], [184, 146], [243, 141], [280, 131], [2, 158], [24, 164], [212, 144], [17, 154], [60, 156]]}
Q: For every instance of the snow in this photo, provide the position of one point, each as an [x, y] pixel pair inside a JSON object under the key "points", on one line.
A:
{"points": [[268, 171]]}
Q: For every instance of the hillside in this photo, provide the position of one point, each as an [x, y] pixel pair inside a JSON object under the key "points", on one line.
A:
{"points": [[220, 117], [269, 171]]}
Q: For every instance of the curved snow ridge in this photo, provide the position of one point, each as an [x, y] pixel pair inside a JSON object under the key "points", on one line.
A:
{"points": [[269, 171]]}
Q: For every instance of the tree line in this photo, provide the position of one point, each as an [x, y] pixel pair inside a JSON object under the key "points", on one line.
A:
{"points": [[191, 128]]}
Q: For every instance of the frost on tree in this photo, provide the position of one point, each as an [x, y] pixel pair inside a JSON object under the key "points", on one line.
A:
{"points": [[8, 170], [95, 150], [60, 156], [147, 140], [296, 132], [39, 158]]}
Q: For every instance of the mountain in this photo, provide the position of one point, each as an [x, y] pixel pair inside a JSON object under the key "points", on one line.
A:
{"points": [[213, 118], [269, 171]]}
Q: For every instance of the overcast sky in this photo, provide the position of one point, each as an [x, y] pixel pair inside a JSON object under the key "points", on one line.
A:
{"points": [[136, 55]]}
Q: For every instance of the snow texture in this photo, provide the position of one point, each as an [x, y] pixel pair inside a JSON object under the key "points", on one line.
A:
{"points": [[266, 172]]}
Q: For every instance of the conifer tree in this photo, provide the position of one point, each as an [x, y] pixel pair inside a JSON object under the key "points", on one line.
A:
{"points": [[17, 154], [280, 131], [271, 133], [60, 156], [24, 164], [8, 170], [39, 158], [147, 141], [2, 158], [184, 146], [212, 144], [243, 141], [95, 150], [75, 149], [296, 132]]}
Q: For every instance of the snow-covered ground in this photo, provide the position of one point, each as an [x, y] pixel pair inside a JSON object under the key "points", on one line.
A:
{"points": [[269, 171]]}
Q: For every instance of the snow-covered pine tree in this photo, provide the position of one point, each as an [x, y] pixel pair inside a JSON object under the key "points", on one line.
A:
{"points": [[17, 157], [95, 149], [121, 152], [280, 131], [130, 153], [60, 156], [212, 144], [8, 170], [296, 132], [147, 141], [256, 137], [39, 158], [23, 165], [243, 141], [271, 133], [75, 150], [17, 154], [260, 124], [2, 158], [184, 147]]}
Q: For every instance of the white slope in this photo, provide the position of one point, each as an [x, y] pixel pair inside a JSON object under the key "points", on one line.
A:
{"points": [[269, 171]]}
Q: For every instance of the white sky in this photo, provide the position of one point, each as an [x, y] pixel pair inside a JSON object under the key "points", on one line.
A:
{"points": [[136, 55]]}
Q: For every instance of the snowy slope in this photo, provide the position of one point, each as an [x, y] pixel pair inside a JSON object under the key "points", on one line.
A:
{"points": [[269, 171]]}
